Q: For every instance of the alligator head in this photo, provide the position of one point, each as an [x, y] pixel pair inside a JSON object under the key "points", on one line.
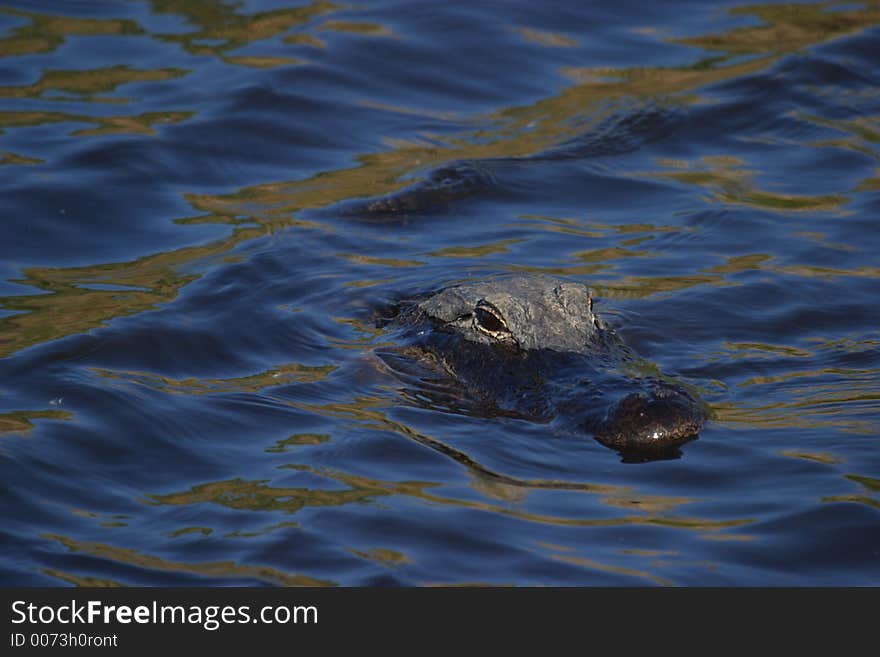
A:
{"points": [[532, 347]]}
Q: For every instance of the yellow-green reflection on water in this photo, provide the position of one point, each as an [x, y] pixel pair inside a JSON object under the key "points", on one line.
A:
{"points": [[281, 375], [856, 499], [298, 439], [573, 270], [20, 422], [511, 132], [730, 183], [592, 564], [221, 29], [357, 27], [367, 331], [259, 496], [836, 402], [70, 308], [475, 251], [796, 415], [185, 531], [88, 83], [870, 184], [359, 259], [80, 580], [870, 498], [256, 61], [141, 124], [383, 556], [871, 483], [45, 33], [213, 569], [13, 158], [646, 286], [302, 39], [107, 521], [757, 350], [788, 27], [240, 494], [818, 457], [863, 131], [262, 531], [548, 39], [367, 412], [822, 239], [642, 232], [764, 262], [610, 253]]}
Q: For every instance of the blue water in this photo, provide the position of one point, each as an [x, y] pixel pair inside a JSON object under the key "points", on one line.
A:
{"points": [[204, 203]]}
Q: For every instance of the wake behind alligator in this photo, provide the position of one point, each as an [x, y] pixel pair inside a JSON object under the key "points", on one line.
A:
{"points": [[531, 347], [622, 130]]}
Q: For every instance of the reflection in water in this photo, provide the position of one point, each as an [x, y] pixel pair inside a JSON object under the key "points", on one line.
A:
{"points": [[837, 398], [514, 132], [595, 565], [714, 186], [21, 422], [298, 439], [788, 28], [383, 556], [12, 158], [870, 484], [43, 33], [731, 184], [369, 29], [204, 531], [258, 496], [549, 39], [239, 494], [818, 457], [262, 531], [78, 580], [222, 29], [71, 308], [86, 85], [213, 569], [291, 373], [142, 124]]}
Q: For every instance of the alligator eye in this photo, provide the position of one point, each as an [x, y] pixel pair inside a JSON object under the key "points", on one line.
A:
{"points": [[489, 320]]}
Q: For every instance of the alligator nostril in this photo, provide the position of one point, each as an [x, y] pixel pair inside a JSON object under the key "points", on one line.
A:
{"points": [[643, 422]]}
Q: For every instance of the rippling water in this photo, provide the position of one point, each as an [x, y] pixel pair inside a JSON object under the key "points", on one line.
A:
{"points": [[204, 203]]}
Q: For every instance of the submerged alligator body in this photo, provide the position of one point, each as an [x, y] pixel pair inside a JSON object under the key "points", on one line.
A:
{"points": [[439, 188], [531, 347], [622, 131]]}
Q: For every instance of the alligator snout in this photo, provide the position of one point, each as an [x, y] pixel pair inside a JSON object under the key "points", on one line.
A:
{"points": [[662, 419]]}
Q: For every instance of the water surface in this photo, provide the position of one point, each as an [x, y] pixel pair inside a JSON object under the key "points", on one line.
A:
{"points": [[203, 204]]}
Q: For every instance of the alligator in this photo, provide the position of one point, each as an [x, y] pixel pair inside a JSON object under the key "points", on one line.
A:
{"points": [[531, 347]]}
